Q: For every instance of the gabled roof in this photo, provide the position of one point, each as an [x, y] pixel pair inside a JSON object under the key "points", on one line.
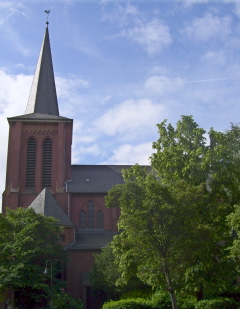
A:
{"points": [[96, 178], [43, 96], [46, 205]]}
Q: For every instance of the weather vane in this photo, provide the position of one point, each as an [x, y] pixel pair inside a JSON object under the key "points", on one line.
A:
{"points": [[47, 12]]}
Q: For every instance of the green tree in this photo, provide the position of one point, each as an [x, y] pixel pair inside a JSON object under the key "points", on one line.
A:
{"points": [[27, 240], [161, 230], [174, 220], [104, 275], [188, 153]]}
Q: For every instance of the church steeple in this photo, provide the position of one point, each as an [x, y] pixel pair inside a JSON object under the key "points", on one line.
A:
{"points": [[43, 96]]}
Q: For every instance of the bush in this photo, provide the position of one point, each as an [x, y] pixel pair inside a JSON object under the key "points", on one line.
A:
{"points": [[65, 301], [217, 303], [161, 300], [186, 303], [144, 293], [131, 303]]}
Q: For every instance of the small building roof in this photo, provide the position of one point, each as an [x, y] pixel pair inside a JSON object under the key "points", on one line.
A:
{"points": [[46, 205], [92, 239]]}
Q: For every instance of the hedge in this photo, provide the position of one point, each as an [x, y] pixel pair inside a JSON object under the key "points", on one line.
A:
{"points": [[130, 303], [218, 303]]}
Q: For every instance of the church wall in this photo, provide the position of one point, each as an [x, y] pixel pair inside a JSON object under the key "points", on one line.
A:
{"points": [[80, 262], [69, 233], [14, 151]]}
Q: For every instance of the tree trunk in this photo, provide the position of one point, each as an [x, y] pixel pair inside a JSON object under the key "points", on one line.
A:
{"points": [[173, 299], [199, 293], [170, 289]]}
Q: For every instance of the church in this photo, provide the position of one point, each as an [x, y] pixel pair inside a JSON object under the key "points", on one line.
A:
{"points": [[40, 175]]}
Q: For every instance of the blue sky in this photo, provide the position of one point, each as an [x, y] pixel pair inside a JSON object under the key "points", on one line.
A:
{"points": [[121, 67]]}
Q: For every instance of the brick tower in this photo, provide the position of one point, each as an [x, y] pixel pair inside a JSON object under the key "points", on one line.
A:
{"points": [[39, 149]]}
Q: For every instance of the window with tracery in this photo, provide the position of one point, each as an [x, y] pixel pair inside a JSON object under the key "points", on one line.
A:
{"points": [[90, 218]]}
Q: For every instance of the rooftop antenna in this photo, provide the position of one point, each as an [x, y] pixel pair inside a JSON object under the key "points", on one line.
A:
{"points": [[47, 12]]}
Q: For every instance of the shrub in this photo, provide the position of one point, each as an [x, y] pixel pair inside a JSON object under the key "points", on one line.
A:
{"points": [[65, 301], [131, 303], [186, 302], [144, 293], [217, 303], [161, 300]]}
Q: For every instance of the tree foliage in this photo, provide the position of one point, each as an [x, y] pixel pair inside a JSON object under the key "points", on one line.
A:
{"points": [[104, 275], [158, 222], [234, 224], [27, 241], [173, 220]]}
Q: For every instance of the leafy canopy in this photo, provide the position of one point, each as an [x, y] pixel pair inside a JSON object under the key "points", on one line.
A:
{"points": [[173, 219], [27, 241]]}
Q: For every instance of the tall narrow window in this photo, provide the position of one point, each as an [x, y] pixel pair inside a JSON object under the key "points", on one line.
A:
{"points": [[99, 220], [31, 163], [47, 163], [83, 220], [91, 223]]}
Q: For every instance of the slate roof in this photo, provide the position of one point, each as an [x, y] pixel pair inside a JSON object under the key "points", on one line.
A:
{"points": [[46, 205], [95, 178], [92, 239], [43, 96]]}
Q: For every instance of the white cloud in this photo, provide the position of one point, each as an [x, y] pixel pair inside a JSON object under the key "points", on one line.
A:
{"points": [[81, 152], [208, 28], [160, 85], [14, 94], [13, 99], [8, 11], [237, 6], [68, 91], [192, 2], [131, 154], [215, 57], [130, 117], [151, 35], [105, 100]]}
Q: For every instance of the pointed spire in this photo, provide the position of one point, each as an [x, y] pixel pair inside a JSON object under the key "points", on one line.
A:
{"points": [[43, 96]]}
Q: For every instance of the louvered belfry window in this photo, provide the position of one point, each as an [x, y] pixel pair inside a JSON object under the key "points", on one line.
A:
{"points": [[31, 162], [47, 163]]}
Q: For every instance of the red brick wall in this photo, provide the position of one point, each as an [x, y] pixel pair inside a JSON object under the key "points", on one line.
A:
{"points": [[60, 133]]}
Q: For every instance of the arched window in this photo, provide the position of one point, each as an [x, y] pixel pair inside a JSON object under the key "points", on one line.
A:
{"points": [[90, 218], [99, 220], [47, 163], [31, 162], [83, 220]]}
